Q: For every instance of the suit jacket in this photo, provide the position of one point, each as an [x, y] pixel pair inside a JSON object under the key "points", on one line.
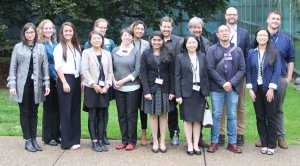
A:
{"points": [[184, 75], [175, 44], [149, 72], [271, 72], [19, 67], [90, 67]]}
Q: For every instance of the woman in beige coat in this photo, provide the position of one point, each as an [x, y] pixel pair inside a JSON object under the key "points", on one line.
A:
{"points": [[28, 82], [97, 73]]}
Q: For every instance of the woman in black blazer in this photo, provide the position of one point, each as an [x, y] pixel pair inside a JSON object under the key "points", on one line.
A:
{"points": [[192, 90], [157, 73]]}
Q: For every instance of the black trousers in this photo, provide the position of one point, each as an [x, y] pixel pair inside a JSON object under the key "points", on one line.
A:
{"points": [[96, 123], [173, 120], [265, 119], [127, 106], [28, 112], [143, 115], [51, 124], [69, 109]]}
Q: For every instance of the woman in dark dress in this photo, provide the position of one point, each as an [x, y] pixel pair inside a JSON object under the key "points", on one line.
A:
{"points": [[97, 73], [192, 90], [157, 72]]}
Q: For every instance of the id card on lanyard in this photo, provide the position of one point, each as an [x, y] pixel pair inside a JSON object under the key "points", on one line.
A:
{"points": [[76, 73]]}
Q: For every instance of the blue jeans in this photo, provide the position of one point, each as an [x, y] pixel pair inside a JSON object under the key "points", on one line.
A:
{"points": [[217, 99]]}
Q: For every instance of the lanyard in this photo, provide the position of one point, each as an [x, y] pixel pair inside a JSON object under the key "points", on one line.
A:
{"points": [[101, 73], [275, 42], [74, 55], [157, 64], [194, 68], [261, 63]]}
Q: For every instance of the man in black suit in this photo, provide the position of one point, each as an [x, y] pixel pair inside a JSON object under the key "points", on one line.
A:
{"points": [[195, 28], [173, 43]]}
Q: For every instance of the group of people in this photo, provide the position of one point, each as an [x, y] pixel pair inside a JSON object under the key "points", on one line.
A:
{"points": [[155, 77]]}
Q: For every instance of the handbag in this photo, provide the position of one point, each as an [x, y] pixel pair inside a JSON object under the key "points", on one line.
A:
{"points": [[207, 119]]}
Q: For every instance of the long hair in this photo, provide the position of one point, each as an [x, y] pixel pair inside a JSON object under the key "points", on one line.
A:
{"points": [[74, 39], [184, 49], [40, 28], [165, 54], [271, 51], [25, 28], [98, 33]]}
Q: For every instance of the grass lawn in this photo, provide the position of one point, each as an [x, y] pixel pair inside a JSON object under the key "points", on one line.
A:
{"points": [[10, 125]]}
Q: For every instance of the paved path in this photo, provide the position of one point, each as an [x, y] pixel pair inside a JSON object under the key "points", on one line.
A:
{"points": [[12, 152]]}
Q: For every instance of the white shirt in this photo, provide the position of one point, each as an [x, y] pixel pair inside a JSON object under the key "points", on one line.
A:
{"points": [[233, 36], [70, 66]]}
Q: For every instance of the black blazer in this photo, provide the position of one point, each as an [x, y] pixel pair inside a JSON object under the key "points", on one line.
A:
{"points": [[184, 75], [149, 72]]}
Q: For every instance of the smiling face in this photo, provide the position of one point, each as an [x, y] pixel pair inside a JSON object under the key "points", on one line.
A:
{"points": [[101, 27], [126, 38], [139, 31], [223, 33], [30, 35], [191, 44], [231, 16], [262, 37], [274, 20], [68, 33], [166, 28], [156, 42], [48, 30], [96, 40], [196, 30]]}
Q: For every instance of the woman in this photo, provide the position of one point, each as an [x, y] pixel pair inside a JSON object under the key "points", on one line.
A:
{"points": [[262, 76], [97, 74], [28, 82], [157, 72], [138, 28], [51, 126], [101, 25], [192, 90], [67, 58], [126, 69]]}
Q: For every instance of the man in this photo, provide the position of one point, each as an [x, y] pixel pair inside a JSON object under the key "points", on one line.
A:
{"points": [[240, 38], [287, 54], [195, 28], [173, 43], [226, 69]]}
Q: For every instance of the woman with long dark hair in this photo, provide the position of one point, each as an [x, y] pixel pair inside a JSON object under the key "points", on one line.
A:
{"points": [[157, 72], [28, 82], [262, 76], [67, 57]]}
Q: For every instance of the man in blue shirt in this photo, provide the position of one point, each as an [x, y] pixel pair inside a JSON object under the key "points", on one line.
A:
{"points": [[287, 53]]}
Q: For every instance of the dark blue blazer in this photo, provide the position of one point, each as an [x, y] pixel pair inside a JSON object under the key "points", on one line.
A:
{"points": [[271, 72]]}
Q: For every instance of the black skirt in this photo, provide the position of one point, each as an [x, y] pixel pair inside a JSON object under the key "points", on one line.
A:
{"points": [[192, 108], [93, 99]]}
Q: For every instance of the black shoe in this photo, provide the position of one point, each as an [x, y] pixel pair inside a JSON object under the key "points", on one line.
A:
{"points": [[29, 146], [240, 140], [190, 153], [105, 140], [203, 144], [52, 143], [197, 152], [221, 140], [102, 145], [58, 140], [96, 147], [36, 145]]}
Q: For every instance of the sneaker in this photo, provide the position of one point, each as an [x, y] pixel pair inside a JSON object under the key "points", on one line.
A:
{"points": [[221, 140], [234, 148], [270, 151], [282, 144], [240, 140], [212, 148], [75, 147]]}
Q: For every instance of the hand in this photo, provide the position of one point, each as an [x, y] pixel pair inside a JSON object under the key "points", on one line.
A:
{"points": [[171, 96], [288, 79], [97, 88], [105, 89], [206, 98], [118, 84], [47, 91], [179, 100], [252, 95], [270, 95], [82, 85], [66, 88], [227, 86], [148, 97], [12, 91]]}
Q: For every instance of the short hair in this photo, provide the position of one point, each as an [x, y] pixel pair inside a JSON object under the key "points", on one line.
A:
{"points": [[100, 20], [128, 30], [24, 29], [195, 21], [184, 49], [166, 19], [98, 33], [40, 33], [222, 25], [136, 23], [274, 12]]}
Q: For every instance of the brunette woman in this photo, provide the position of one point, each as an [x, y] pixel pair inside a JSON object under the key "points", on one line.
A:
{"points": [[28, 82]]}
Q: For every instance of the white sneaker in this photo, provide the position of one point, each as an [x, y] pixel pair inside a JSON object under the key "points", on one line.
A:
{"points": [[75, 147]]}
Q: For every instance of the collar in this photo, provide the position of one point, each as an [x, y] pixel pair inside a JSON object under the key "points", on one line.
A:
{"points": [[255, 49], [275, 34]]}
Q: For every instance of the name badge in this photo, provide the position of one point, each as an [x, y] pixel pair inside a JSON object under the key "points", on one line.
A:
{"points": [[159, 81], [101, 83], [259, 82], [76, 74], [32, 76], [196, 87]]}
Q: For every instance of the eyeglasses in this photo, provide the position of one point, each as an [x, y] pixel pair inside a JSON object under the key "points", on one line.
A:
{"points": [[262, 35], [29, 33], [102, 27]]}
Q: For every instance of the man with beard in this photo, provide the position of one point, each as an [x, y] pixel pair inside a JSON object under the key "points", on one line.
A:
{"points": [[195, 28], [173, 43], [240, 38]]}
